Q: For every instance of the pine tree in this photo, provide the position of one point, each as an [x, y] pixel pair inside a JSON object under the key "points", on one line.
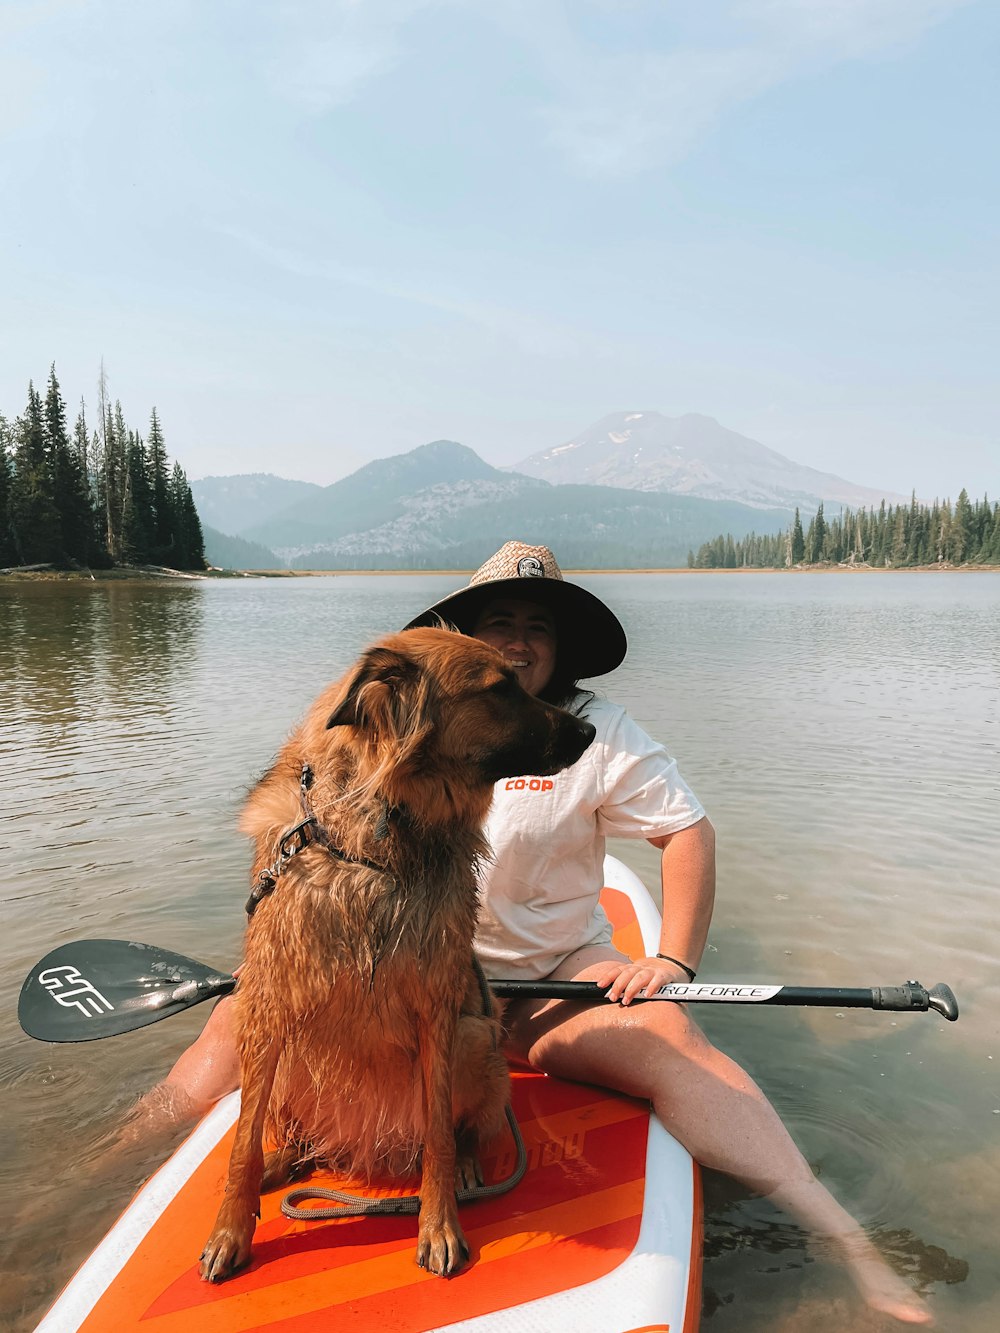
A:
{"points": [[798, 545], [159, 481], [196, 539], [939, 532], [816, 537], [833, 540], [119, 434], [925, 550], [96, 552], [189, 541], [897, 544], [8, 551], [868, 525], [962, 529], [984, 528], [855, 545], [56, 439], [879, 536], [138, 520], [993, 547], [915, 528], [81, 445], [34, 518], [111, 469], [77, 536]]}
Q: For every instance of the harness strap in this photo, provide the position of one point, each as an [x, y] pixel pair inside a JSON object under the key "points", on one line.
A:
{"points": [[300, 836]]}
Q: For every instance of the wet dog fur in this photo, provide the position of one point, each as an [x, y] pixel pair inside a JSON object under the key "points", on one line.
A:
{"points": [[361, 1027]]}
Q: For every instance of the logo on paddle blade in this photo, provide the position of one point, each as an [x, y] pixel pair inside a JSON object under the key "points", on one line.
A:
{"points": [[69, 988]]}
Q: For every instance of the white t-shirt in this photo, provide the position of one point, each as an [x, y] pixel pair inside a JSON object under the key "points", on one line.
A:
{"points": [[539, 893]]}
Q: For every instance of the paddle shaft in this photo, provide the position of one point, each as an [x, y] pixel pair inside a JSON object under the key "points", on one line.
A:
{"points": [[99, 988], [899, 998], [910, 997]]}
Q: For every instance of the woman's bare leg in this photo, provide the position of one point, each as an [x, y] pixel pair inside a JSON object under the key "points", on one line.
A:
{"points": [[206, 1071], [708, 1103]]}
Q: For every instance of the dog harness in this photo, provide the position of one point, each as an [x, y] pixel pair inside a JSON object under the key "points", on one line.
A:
{"points": [[308, 831]]}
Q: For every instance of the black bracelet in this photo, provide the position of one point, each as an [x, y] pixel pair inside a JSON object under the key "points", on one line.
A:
{"points": [[691, 974]]}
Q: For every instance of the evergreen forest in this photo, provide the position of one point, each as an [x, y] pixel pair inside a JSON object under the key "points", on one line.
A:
{"points": [[890, 537], [91, 498]]}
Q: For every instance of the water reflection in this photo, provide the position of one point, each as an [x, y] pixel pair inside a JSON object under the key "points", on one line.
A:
{"points": [[70, 650], [96, 675]]}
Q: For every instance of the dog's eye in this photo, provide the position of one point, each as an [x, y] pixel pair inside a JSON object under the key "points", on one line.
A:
{"points": [[504, 686]]}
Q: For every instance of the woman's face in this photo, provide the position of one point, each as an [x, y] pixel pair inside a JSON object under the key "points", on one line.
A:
{"points": [[524, 633]]}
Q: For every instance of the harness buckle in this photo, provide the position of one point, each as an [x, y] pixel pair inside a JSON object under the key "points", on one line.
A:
{"points": [[296, 840]]}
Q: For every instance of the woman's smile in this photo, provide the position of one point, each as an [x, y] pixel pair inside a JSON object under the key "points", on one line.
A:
{"points": [[524, 633]]}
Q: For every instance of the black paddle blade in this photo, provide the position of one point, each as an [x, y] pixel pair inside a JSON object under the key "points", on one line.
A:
{"points": [[100, 988]]}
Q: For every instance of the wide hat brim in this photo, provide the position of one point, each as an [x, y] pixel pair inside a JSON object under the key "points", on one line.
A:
{"points": [[590, 640]]}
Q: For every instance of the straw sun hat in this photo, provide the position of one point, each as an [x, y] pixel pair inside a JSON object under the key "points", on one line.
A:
{"points": [[589, 638]]}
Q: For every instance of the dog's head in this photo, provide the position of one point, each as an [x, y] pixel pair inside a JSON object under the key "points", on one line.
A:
{"points": [[437, 718]]}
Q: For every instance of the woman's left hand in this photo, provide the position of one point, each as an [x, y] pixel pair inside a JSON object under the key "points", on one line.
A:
{"points": [[625, 981]]}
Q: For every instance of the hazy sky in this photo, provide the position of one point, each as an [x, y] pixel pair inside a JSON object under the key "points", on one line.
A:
{"points": [[319, 233]]}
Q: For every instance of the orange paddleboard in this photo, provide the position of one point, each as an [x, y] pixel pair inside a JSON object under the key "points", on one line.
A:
{"points": [[603, 1234]]}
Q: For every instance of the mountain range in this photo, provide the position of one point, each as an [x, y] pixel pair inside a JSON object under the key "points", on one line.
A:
{"points": [[636, 490]]}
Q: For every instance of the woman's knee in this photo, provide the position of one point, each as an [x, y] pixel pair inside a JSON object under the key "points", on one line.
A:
{"points": [[210, 1067], [638, 1040], [661, 1025]]}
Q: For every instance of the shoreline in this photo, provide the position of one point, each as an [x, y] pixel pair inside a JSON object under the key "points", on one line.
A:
{"points": [[151, 574]]}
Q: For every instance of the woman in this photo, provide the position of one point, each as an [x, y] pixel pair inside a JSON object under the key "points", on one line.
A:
{"points": [[540, 917]]}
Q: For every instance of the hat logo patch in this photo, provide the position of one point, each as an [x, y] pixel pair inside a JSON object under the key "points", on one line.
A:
{"points": [[530, 567]]}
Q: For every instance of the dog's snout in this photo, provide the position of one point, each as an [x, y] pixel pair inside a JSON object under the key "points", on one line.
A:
{"points": [[587, 733]]}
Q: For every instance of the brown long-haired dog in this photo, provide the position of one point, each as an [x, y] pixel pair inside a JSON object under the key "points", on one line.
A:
{"points": [[360, 1019]]}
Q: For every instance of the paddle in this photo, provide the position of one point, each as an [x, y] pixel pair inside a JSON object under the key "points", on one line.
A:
{"points": [[100, 988]]}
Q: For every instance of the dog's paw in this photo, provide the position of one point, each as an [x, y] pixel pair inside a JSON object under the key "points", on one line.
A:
{"points": [[442, 1248], [225, 1253], [283, 1166], [468, 1172]]}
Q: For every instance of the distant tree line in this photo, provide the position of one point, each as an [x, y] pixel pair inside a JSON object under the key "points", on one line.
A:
{"points": [[92, 498], [890, 537]]}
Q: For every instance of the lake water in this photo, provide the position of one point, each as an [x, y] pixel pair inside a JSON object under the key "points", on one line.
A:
{"points": [[843, 731]]}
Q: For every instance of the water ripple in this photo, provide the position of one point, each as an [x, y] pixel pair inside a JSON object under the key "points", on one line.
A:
{"points": [[841, 730]]}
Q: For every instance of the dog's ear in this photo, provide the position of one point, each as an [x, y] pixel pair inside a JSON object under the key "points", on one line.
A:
{"points": [[374, 693]]}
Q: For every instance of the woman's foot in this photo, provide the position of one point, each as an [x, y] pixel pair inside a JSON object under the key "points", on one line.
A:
{"points": [[881, 1288], [842, 1238]]}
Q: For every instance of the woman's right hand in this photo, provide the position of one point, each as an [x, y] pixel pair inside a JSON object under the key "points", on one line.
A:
{"points": [[625, 980]]}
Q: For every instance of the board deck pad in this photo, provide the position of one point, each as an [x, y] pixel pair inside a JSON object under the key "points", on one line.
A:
{"points": [[580, 1243]]}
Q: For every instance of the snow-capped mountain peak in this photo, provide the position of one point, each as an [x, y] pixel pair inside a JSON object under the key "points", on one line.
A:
{"points": [[691, 455]]}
